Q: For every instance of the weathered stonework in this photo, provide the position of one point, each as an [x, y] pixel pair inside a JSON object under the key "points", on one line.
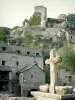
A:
{"points": [[21, 69], [48, 96], [55, 92]]}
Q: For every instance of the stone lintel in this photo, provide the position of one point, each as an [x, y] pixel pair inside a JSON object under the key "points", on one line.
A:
{"points": [[47, 96]]}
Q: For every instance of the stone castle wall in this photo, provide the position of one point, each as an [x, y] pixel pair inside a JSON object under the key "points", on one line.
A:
{"points": [[43, 11]]}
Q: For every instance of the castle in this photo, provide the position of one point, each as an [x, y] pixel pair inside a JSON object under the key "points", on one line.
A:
{"points": [[48, 27]]}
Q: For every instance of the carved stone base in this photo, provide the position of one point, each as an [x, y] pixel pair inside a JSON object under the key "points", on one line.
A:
{"points": [[47, 96]]}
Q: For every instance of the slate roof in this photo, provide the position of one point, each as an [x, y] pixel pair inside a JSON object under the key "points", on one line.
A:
{"points": [[28, 68], [5, 68]]}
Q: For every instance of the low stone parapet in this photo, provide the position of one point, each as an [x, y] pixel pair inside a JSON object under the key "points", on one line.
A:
{"points": [[7, 97], [21, 98], [47, 96]]}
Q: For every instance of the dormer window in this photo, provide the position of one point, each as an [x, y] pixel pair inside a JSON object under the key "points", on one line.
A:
{"points": [[3, 48], [28, 52], [18, 51], [37, 54]]}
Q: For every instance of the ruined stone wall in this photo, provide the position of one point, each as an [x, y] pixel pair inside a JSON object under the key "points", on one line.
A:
{"points": [[43, 11], [65, 77]]}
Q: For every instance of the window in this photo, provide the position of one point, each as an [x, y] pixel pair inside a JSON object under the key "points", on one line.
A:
{"points": [[37, 54], [31, 76], [3, 48], [18, 51], [3, 62], [71, 37], [63, 16], [17, 63], [65, 76], [50, 39], [28, 52], [70, 78], [51, 25]]}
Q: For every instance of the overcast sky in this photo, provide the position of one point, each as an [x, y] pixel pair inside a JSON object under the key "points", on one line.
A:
{"points": [[13, 12]]}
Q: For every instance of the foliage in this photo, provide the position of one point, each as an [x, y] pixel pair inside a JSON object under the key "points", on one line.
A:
{"points": [[71, 18], [68, 58], [34, 20], [52, 20], [4, 32], [72, 28], [29, 41], [71, 21], [44, 45], [46, 55]]}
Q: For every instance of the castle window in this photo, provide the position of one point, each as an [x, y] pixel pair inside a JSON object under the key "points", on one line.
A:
{"points": [[28, 52], [37, 54], [18, 51], [71, 37], [3, 48], [17, 63], [3, 62]]}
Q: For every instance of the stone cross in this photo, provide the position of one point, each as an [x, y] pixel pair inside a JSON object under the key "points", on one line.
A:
{"points": [[53, 60]]}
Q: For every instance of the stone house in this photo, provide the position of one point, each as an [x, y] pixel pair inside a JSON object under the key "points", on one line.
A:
{"points": [[65, 77], [32, 76], [16, 61], [72, 38]]}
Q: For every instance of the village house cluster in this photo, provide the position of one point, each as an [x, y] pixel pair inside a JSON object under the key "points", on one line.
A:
{"points": [[22, 69]]}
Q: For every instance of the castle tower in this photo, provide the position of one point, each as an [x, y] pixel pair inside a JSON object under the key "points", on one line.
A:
{"points": [[62, 16], [43, 11]]}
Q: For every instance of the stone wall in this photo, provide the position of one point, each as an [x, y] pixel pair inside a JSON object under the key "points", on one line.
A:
{"points": [[43, 10], [21, 98], [7, 97], [65, 77], [17, 61]]}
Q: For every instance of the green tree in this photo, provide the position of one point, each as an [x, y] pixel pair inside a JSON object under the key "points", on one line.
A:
{"points": [[34, 20], [71, 21], [4, 32], [68, 58], [33, 45], [29, 40], [71, 18]]}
